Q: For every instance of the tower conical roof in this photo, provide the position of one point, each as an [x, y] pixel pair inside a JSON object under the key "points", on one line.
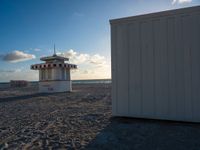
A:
{"points": [[54, 57]]}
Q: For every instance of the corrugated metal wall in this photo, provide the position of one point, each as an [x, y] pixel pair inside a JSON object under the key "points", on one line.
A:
{"points": [[156, 65]]}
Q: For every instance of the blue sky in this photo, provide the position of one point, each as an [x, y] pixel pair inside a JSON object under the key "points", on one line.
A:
{"points": [[29, 28]]}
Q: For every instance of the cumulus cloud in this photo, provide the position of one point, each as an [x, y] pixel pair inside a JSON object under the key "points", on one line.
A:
{"points": [[79, 58], [181, 1], [97, 59], [89, 66], [17, 56]]}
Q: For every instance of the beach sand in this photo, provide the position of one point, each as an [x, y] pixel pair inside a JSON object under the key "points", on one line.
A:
{"points": [[59, 120], [82, 120]]}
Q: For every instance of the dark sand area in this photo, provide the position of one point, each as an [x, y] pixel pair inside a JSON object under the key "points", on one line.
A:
{"points": [[82, 120]]}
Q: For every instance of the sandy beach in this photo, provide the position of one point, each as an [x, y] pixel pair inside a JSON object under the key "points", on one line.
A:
{"points": [[82, 120], [63, 120]]}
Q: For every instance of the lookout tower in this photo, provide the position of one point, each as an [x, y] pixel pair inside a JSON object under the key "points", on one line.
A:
{"points": [[54, 74]]}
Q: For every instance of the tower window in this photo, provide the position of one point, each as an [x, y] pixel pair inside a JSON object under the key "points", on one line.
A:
{"points": [[49, 73], [63, 74], [43, 74]]}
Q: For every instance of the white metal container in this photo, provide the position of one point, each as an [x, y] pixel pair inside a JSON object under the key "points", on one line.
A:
{"points": [[156, 65]]}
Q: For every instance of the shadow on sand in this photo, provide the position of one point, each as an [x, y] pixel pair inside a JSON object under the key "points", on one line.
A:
{"points": [[144, 134], [24, 97]]}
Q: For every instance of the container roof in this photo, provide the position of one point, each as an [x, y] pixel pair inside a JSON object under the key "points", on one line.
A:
{"points": [[155, 14]]}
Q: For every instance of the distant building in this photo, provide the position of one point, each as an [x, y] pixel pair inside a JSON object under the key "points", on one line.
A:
{"points": [[18, 83], [54, 74]]}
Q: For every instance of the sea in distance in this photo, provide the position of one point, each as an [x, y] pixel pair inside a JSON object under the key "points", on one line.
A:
{"points": [[96, 81]]}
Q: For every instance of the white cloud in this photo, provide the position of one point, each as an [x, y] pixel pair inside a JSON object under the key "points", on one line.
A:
{"points": [[76, 57], [79, 58], [89, 66], [181, 1], [97, 59], [17, 56]]}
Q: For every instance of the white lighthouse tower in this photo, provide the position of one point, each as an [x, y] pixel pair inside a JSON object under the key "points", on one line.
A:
{"points": [[54, 74]]}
